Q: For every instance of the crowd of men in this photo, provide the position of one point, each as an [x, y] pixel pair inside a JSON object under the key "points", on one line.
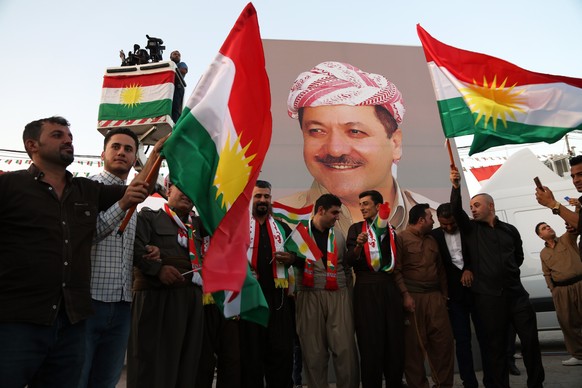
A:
{"points": [[378, 302]]}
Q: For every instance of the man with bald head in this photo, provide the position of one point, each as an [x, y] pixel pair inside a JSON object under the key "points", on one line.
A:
{"points": [[351, 138], [496, 253]]}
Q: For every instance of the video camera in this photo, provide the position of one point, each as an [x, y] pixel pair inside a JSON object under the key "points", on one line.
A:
{"points": [[155, 47], [140, 56]]}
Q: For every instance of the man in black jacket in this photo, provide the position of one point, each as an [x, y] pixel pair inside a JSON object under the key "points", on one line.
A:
{"points": [[496, 252], [455, 256]]}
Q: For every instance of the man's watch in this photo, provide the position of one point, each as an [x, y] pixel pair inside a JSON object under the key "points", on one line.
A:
{"points": [[556, 208]]}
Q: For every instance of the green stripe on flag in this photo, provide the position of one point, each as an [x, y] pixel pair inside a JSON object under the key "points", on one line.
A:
{"points": [[515, 133], [139, 111], [193, 163], [456, 117]]}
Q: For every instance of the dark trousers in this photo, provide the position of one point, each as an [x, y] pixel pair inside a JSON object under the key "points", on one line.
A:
{"points": [[107, 335], [42, 356], [220, 350], [498, 313], [379, 320], [267, 353], [461, 313]]}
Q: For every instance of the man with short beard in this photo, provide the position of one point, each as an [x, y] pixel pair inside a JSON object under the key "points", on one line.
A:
{"points": [[267, 353], [428, 334], [324, 311], [47, 222]]}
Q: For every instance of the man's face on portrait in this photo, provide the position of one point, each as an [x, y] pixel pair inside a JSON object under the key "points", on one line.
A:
{"points": [[347, 149]]}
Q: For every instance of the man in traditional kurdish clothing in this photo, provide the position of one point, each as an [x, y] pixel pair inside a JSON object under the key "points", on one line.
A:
{"points": [[167, 316], [324, 312], [545, 197], [562, 269], [351, 139], [267, 353], [378, 310], [425, 300]]}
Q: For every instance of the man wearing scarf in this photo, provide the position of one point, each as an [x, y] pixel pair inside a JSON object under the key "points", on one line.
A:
{"points": [[378, 311], [352, 140], [267, 353], [324, 312], [167, 315]]}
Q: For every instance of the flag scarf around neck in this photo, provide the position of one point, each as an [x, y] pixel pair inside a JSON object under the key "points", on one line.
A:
{"points": [[186, 235], [142, 94], [302, 244], [376, 231], [330, 263], [292, 215], [277, 240], [217, 148], [498, 102]]}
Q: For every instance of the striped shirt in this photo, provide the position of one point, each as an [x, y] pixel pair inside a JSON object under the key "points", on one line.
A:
{"points": [[112, 255]]}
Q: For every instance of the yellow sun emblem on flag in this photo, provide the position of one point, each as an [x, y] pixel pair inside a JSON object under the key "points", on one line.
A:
{"points": [[131, 95], [233, 171], [493, 102]]}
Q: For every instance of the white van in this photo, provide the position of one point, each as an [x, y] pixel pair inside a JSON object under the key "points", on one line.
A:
{"points": [[513, 189]]}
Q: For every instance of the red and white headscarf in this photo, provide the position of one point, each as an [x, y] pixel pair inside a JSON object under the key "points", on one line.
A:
{"points": [[335, 83]]}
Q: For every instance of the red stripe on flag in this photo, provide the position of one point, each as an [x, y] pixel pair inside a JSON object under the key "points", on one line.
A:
{"points": [[467, 66], [123, 81], [225, 264], [304, 233], [293, 210]]}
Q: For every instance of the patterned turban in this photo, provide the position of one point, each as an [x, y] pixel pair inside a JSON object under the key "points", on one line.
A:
{"points": [[335, 83]]}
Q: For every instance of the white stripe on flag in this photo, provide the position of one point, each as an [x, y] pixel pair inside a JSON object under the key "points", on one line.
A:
{"points": [[147, 93]]}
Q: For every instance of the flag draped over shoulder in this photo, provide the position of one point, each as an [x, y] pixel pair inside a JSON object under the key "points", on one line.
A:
{"points": [[290, 214], [498, 102], [217, 148], [142, 94]]}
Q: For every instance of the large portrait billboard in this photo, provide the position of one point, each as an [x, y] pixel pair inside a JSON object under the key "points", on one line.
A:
{"points": [[338, 153]]}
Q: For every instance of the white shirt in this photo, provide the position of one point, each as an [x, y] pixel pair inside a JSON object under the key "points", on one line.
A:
{"points": [[455, 248]]}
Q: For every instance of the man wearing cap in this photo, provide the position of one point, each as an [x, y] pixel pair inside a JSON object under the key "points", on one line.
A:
{"points": [[351, 139]]}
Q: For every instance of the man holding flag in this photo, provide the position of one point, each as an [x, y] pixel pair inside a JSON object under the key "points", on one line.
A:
{"points": [[324, 313], [378, 310], [166, 334], [267, 352]]}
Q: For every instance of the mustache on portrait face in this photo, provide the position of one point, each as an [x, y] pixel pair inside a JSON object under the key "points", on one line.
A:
{"points": [[342, 159]]}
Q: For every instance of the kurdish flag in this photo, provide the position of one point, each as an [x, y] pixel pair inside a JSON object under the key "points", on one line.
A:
{"points": [[217, 148], [300, 242], [498, 102], [249, 304], [290, 214], [143, 94]]}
